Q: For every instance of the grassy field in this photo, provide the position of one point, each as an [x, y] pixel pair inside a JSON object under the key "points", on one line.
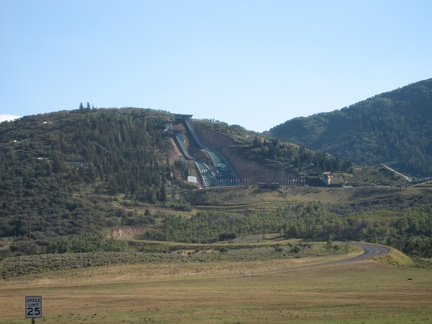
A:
{"points": [[269, 291], [257, 200]]}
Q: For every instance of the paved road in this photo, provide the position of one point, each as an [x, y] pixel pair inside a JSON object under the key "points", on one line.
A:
{"points": [[371, 250]]}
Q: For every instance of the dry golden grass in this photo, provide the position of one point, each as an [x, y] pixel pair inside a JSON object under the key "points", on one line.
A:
{"points": [[227, 292]]}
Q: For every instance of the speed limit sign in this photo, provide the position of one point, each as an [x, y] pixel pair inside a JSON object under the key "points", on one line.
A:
{"points": [[33, 306]]}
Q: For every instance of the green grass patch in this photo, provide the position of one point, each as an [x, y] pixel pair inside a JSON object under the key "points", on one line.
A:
{"points": [[395, 257]]}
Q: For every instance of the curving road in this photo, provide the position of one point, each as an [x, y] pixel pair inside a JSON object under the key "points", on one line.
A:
{"points": [[371, 250]]}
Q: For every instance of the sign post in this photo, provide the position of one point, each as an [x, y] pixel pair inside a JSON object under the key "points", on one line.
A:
{"points": [[33, 307]]}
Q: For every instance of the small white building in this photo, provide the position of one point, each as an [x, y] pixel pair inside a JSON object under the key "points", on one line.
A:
{"points": [[192, 179]]}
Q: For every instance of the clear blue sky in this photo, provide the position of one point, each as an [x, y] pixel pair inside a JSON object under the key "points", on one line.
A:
{"points": [[251, 63]]}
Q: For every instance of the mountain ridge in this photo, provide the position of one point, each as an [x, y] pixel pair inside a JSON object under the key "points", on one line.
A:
{"points": [[393, 128]]}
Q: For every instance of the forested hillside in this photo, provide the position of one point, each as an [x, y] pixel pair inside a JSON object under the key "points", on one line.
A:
{"points": [[61, 171], [268, 160], [394, 128], [66, 176]]}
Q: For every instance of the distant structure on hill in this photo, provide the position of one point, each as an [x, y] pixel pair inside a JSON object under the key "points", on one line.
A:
{"points": [[328, 178]]}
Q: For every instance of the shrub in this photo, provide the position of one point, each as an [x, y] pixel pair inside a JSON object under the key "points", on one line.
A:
{"points": [[227, 236], [296, 249]]}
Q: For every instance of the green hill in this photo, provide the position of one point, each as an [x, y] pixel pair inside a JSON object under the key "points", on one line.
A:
{"points": [[61, 171], [67, 176], [394, 128]]}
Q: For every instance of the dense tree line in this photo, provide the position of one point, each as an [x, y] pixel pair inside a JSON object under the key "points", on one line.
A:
{"points": [[309, 221], [393, 128]]}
